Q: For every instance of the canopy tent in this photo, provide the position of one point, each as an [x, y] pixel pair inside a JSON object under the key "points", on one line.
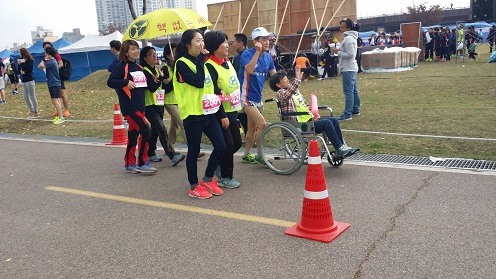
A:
{"points": [[38, 54], [426, 28], [90, 54], [478, 25], [60, 43], [5, 53], [366, 34], [36, 48]]}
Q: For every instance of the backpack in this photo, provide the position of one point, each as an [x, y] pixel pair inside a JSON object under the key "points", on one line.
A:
{"points": [[66, 70], [9, 70]]}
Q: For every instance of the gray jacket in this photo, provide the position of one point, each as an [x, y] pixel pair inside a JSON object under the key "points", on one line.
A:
{"points": [[348, 51]]}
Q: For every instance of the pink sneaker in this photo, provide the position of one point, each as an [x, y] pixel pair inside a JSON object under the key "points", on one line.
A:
{"points": [[212, 187], [200, 192]]}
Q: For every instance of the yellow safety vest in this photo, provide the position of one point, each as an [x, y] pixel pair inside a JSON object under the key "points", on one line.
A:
{"points": [[300, 106], [228, 82], [151, 97], [189, 98], [170, 98]]}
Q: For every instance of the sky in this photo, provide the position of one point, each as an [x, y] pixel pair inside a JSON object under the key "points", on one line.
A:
{"points": [[20, 17]]}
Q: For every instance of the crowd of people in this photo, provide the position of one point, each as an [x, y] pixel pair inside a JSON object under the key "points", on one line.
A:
{"points": [[441, 44], [206, 93], [21, 70]]}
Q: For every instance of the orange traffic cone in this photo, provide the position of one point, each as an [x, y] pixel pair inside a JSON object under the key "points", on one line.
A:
{"points": [[119, 136], [316, 221]]}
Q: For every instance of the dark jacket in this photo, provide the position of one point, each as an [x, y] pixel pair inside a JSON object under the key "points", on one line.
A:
{"points": [[27, 67], [119, 82]]}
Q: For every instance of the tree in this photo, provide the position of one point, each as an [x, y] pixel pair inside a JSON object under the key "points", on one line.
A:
{"points": [[428, 16], [133, 14]]}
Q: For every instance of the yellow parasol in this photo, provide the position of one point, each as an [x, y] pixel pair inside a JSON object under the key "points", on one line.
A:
{"points": [[164, 22]]}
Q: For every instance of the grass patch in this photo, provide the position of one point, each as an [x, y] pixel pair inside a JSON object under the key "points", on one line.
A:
{"points": [[442, 99]]}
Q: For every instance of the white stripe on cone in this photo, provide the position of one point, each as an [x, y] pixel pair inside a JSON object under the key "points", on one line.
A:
{"points": [[119, 127], [314, 160], [117, 111], [316, 195]]}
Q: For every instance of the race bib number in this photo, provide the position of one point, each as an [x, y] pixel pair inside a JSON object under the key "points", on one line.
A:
{"points": [[211, 103], [235, 100], [160, 95], [139, 79]]}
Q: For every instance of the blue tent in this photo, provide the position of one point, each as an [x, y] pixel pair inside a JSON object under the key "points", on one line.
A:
{"points": [[5, 53], [60, 43], [478, 25], [38, 54], [90, 54], [36, 48], [426, 28]]}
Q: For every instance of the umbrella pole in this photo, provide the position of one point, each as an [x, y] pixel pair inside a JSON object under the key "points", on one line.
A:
{"points": [[170, 47]]}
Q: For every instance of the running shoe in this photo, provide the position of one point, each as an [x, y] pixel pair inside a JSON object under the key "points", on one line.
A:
{"points": [[212, 187], [248, 158], [146, 168], [66, 113], [58, 120], [155, 158], [260, 161], [200, 192], [177, 158], [131, 168], [228, 183]]}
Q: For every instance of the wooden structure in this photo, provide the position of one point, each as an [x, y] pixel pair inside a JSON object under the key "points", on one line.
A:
{"points": [[232, 16]]}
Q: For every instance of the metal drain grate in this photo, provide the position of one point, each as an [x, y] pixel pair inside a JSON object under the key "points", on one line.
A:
{"points": [[467, 164]]}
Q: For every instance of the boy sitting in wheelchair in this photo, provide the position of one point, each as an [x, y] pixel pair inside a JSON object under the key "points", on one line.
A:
{"points": [[291, 100]]}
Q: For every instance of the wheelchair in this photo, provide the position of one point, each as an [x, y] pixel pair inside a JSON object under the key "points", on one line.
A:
{"points": [[284, 144]]}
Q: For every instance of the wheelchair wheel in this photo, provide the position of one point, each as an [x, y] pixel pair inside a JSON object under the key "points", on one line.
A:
{"points": [[333, 160], [283, 148]]}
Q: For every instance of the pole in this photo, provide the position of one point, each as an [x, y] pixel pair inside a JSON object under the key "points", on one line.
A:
{"points": [[282, 20], [315, 16], [275, 17], [322, 19], [301, 38], [218, 16], [327, 25], [239, 16], [248, 18]]}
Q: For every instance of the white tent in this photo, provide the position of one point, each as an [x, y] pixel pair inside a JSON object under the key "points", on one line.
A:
{"points": [[91, 43], [90, 54]]}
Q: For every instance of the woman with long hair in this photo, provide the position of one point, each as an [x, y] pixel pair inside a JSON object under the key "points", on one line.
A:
{"points": [[197, 106], [129, 81], [25, 63]]}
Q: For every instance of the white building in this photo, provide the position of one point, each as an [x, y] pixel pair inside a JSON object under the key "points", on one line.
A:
{"points": [[116, 13]]}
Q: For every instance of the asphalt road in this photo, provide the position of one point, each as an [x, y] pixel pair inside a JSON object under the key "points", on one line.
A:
{"points": [[68, 210]]}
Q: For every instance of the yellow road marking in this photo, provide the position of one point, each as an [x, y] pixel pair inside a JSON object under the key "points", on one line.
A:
{"points": [[199, 210]]}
